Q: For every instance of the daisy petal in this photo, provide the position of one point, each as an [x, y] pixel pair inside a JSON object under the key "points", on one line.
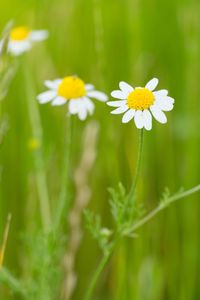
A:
{"points": [[119, 95], [116, 103], [160, 94], [82, 113], [74, 106], [128, 116], [78, 106], [164, 104], [17, 48], [120, 110], [98, 95], [147, 119], [158, 114], [52, 84], [170, 99], [46, 97], [58, 101], [89, 105], [139, 122], [89, 87], [38, 35], [125, 87], [152, 84]]}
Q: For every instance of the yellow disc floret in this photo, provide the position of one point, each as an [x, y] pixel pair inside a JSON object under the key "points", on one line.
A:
{"points": [[19, 33], [71, 87], [140, 99]]}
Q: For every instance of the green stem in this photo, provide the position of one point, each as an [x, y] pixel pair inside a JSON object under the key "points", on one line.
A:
{"points": [[106, 257], [99, 37], [37, 133], [99, 270], [63, 203], [130, 201], [15, 285], [160, 208], [138, 167], [131, 230]]}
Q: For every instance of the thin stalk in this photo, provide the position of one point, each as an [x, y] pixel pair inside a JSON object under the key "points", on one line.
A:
{"points": [[130, 201], [160, 208], [63, 197], [37, 133], [99, 37], [105, 259], [16, 286], [5, 239], [138, 167], [130, 231]]}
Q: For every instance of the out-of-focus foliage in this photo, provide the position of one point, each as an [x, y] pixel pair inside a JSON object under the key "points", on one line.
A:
{"points": [[105, 42]]}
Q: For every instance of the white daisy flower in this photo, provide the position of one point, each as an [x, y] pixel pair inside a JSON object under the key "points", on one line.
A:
{"points": [[75, 92], [141, 103], [21, 39]]}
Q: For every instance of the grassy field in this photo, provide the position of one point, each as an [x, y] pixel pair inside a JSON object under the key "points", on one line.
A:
{"points": [[103, 42]]}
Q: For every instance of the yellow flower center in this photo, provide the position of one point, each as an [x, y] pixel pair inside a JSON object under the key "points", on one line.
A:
{"points": [[71, 87], [140, 99], [19, 33]]}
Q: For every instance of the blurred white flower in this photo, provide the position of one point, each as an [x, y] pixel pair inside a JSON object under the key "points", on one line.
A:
{"points": [[21, 39], [75, 92], [141, 103]]}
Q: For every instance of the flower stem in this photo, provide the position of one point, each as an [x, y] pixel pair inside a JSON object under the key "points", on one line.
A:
{"points": [[37, 133], [108, 255], [131, 230], [5, 239], [137, 172], [105, 259], [62, 204]]}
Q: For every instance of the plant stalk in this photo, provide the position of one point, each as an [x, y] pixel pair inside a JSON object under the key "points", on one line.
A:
{"points": [[130, 231], [138, 167], [64, 193], [160, 208], [37, 133], [105, 259]]}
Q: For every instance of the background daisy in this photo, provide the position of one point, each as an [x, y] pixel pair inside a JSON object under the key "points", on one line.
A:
{"points": [[21, 39], [75, 92]]}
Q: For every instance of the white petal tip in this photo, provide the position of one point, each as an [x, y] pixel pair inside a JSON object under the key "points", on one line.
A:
{"points": [[109, 103], [152, 84]]}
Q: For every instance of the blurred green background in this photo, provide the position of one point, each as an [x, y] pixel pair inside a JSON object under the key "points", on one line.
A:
{"points": [[105, 41]]}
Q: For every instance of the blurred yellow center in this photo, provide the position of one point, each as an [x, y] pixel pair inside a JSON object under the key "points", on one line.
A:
{"points": [[19, 33], [140, 98], [71, 87], [34, 144]]}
